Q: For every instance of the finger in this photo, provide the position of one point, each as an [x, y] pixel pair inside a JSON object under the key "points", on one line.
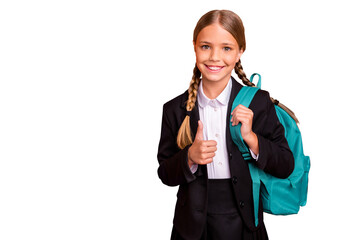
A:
{"points": [[210, 143], [242, 117], [239, 107], [235, 109], [206, 161], [211, 149], [240, 110], [237, 118], [205, 156], [199, 133]]}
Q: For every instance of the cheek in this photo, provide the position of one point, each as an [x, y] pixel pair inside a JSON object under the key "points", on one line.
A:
{"points": [[231, 59], [201, 56]]}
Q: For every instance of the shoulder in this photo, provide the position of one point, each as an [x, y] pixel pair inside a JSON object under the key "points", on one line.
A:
{"points": [[261, 99], [174, 111], [262, 95], [261, 105], [177, 102]]}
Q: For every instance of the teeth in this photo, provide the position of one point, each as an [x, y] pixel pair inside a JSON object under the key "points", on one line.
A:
{"points": [[215, 68]]}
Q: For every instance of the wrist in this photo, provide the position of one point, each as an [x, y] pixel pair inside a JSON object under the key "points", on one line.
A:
{"points": [[250, 137], [252, 141]]}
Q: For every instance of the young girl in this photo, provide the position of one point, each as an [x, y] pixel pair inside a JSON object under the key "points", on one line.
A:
{"points": [[196, 152]]}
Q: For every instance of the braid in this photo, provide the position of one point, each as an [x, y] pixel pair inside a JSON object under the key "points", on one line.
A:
{"points": [[184, 136], [241, 74], [193, 88]]}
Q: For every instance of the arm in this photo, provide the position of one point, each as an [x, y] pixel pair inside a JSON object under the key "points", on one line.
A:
{"points": [[174, 169], [275, 156]]}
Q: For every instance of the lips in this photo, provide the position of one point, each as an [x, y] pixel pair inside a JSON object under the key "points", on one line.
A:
{"points": [[213, 68]]}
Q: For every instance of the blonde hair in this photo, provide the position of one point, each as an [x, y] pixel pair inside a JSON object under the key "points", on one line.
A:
{"points": [[231, 23]]}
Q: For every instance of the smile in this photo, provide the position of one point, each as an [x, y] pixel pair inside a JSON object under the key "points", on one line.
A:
{"points": [[214, 68]]}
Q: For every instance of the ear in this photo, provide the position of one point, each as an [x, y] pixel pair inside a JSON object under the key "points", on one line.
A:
{"points": [[240, 54]]}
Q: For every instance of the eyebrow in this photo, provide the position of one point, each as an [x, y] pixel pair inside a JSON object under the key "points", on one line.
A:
{"points": [[225, 43]]}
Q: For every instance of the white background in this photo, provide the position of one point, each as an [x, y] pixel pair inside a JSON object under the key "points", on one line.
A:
{"points": [[81, 95]]}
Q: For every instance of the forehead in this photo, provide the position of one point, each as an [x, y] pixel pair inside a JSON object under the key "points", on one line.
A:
{"points": [[215, 34]]}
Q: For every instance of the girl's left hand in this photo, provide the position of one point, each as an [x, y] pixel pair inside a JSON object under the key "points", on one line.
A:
{"points": [[245, 116]]}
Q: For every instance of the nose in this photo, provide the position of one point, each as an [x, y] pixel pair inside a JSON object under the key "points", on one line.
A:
{"points": [[215, 54]]}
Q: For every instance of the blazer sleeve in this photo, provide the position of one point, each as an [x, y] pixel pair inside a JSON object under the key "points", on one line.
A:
{"points": [[275, 156], [174, 169]]}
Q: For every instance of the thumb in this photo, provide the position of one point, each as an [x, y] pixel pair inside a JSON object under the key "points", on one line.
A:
{"points": [[199, 132]]}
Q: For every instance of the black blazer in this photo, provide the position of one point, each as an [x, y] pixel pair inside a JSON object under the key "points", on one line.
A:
{"points": [[275, 158]]}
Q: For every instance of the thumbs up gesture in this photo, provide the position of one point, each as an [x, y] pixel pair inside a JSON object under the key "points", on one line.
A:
{"points": [[201, 151]]}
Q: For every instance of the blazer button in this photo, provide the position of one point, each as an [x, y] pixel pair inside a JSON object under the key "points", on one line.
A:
{"points": [[242, 204], [234, 179], [230, 155]]}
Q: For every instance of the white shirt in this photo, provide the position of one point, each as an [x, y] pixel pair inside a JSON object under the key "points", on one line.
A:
{"points": [[213, 116]]}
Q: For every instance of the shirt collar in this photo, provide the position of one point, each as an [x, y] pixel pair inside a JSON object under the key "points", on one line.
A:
{"points": [[222, 99]]}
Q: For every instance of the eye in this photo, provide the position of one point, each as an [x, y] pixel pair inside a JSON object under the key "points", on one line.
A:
{"points": [[227, 49], [204, 47]]}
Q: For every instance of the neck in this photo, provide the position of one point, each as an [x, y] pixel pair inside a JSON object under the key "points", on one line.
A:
{"points": [[213, 89]]}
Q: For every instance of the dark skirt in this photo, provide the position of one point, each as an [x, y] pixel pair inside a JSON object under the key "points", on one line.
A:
{"points": [[223, 219]]}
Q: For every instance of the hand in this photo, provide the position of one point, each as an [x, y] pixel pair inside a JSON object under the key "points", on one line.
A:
{"points": [[201, 151], [245, 116]]}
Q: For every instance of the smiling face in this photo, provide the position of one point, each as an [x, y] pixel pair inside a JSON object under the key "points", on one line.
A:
{"points": [[216, 53]]}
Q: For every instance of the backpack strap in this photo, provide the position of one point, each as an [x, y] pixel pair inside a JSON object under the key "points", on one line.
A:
{"points": [[258, 85], [244, 97]]}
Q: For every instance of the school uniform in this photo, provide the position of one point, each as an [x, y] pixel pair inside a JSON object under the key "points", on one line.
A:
{"points": [[215, 201]]}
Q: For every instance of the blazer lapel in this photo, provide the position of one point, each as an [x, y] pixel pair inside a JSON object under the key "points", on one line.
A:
{"points": [[194, 118], [234, 91]]}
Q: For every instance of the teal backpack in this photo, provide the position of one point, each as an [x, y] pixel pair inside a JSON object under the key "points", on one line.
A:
{"points": [[279, 196]]}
